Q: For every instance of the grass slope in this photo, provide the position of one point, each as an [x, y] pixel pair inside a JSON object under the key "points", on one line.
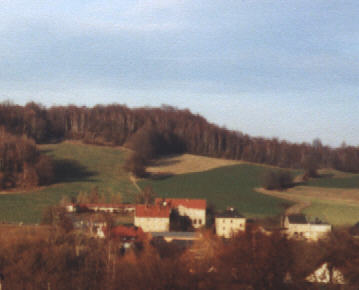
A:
{"points": [[79, 168], [223, 187], [334, 213], [352, 181]]}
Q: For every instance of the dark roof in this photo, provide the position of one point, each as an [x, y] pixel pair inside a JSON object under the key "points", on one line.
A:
{"points": [[229, 214], [297, 219]]}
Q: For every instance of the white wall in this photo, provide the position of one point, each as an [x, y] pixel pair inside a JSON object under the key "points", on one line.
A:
{"points": [[153, 224], [226, 227], [197, 216]]}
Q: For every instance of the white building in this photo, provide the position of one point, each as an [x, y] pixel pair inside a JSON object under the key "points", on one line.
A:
{"points": [[109, 207], [229, 223], [195, 209], [297, 226], [152, 218]]}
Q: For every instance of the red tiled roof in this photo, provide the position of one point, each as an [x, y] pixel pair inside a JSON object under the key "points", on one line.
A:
{"points": [[186, 202], [152, 211], [123, 231]]}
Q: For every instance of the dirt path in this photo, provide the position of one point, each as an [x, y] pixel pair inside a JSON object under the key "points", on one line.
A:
{"points": [[134, 182], [299, 205]]}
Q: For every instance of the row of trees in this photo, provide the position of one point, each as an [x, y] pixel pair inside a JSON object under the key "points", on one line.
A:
{"points": [[253, 260], [21, 164], [155, 131]]}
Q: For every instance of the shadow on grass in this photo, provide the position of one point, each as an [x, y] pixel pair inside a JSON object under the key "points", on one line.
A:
{"points": [[67, 170], [324, 175], [163, 162], [159, 176]]}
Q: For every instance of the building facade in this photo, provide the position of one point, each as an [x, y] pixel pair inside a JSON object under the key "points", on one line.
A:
{"points": [[297, 226], [229, 223], [195, 209], [152, 218]]}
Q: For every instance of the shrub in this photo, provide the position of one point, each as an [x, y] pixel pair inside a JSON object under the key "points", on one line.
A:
{"points": [[277, 179]]}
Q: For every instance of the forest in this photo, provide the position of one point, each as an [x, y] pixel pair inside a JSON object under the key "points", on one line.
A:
{"points": [[166, 130]]}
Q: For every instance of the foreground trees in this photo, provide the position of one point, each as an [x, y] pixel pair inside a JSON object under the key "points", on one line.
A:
{"points": [[49, 258]]}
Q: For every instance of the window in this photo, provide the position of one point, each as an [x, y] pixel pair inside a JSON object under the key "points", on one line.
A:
{"points": [[195, 221], [199, 221], [231, 221]]}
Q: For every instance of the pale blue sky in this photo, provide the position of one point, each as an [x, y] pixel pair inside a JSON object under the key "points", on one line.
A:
{"points": [[286, 69]]}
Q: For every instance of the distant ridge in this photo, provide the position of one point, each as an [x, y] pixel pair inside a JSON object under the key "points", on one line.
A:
{"points": [[165, 130]]}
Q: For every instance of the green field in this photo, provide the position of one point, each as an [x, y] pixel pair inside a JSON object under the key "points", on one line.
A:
{"points": [[336, 182], [333, 212], [226, 186], [80, 168]]}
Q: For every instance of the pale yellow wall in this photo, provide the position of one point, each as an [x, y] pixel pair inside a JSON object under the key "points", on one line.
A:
{"points": [[226, 227], [152, 224], [308, 231]]}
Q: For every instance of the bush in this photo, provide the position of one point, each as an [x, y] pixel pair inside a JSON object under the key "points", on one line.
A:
{"points": [[277, 179], [136, 165]]}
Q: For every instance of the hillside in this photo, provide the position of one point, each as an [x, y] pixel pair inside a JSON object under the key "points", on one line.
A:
{"points": [[78, 168], [334, 197], [224, 186]]}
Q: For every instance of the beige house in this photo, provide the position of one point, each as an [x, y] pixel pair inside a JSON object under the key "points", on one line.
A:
{"points": [[152, 218], [229, 223], [296, 226], [195, 209]]}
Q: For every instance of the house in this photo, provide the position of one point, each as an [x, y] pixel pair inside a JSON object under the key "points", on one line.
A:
{"points": [[195, 209], [152, 218], [298, 227], [229, 223], [109, 207]]}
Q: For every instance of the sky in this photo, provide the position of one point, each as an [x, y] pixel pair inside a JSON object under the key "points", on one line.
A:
{"points": [[285, 69]]}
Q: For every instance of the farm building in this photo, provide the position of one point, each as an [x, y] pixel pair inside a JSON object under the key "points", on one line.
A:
{"points": [[229, 223], [195, 209], [298, 227], [152, 218], [108, 207]]}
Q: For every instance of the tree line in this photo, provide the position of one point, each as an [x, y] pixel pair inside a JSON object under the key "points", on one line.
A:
{"points": [[157, 131]]}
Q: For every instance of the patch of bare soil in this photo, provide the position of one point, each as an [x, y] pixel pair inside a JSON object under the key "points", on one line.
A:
{"points": [[188, 163]]}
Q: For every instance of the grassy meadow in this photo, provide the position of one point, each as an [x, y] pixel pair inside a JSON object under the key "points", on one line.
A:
{"points": [[334, 212], [349, 181], [78, 168]]}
